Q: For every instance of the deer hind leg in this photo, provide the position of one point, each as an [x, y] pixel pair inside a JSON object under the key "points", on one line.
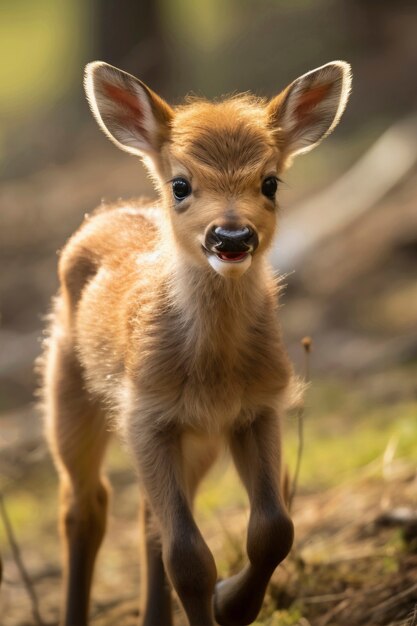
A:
{"points": [[77, 435], [256, 453], [155, 602]]}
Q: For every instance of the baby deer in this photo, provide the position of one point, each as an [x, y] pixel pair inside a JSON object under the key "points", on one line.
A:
{"points": [[166, 329]]}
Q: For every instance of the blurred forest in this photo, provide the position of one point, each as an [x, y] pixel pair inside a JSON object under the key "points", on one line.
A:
{"points": [[347, 244]]}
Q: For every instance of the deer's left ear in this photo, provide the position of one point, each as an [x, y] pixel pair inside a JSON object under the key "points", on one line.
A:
{"points": [[310, 107]]}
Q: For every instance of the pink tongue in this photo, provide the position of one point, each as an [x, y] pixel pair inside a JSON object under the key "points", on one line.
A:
{"points": [[232, 256]]}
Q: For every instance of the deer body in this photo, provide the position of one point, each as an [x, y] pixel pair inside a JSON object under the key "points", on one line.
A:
{"points": [[166, 329]]}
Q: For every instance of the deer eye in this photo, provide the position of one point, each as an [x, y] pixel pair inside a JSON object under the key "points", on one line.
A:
{"points": [[181, 188], [269, 187]]}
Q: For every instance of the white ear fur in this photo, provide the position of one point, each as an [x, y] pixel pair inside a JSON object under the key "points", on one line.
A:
{"points": [[128, 112], [312, 105]]}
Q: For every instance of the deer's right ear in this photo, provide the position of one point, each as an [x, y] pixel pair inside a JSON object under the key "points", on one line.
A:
{"points": [[135, 118]]}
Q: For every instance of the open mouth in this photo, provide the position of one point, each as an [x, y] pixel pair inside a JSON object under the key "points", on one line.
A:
{"points": [[232, 264], [232, 257]]}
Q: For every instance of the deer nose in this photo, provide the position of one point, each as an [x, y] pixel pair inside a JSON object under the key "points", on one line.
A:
{"points": [[233, 240]]}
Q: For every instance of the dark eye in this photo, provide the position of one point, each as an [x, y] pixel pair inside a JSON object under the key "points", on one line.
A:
{"points": [[181, 188], [269, 187]]}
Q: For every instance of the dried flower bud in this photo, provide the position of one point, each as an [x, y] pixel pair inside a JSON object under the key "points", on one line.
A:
{"points": [[307, 343]]}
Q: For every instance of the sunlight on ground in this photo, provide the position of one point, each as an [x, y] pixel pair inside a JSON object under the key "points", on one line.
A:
{"points": [[343, 433], [348, 434]]}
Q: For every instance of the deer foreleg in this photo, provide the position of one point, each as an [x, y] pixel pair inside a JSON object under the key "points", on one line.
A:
{"points": [[186, 557], [257, 455]]}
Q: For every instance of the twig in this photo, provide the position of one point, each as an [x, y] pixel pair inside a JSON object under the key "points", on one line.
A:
{"points": [[307, 344], [336, 610], [19, 562], [393, 601], [328, 597], [412, 618]]}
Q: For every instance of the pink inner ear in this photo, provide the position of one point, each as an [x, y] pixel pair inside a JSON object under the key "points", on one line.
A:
{"points": [[130, 112], [310, 98]]}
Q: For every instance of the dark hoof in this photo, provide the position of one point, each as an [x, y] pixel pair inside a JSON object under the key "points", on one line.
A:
{"points": [[232, 608]]}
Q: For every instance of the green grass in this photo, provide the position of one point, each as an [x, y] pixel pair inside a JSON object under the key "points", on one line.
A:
{"points": [[332, 456], [222, 490], [344, 431], [31, 501], [281, 618]]}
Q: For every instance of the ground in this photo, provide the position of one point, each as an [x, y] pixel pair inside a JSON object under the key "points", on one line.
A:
{"points": [[354, 560]]}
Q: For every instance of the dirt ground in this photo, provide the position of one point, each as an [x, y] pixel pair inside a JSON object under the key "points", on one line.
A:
{"points": [[354, 560]]}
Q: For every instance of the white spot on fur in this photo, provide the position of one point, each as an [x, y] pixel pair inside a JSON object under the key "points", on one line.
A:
{"points": [[230, 269], [150, 258]]}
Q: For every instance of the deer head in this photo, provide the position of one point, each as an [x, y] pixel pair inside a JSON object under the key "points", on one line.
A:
{"points": [[217, 165]]}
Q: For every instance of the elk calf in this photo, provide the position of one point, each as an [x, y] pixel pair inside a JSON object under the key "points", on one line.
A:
{"points": [[166, 329]]}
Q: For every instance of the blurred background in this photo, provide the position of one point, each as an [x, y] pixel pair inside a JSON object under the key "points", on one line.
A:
{"points": [[347, 244]]}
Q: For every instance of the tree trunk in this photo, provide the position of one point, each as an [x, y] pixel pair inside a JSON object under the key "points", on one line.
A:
{"points": [[130, 35]]}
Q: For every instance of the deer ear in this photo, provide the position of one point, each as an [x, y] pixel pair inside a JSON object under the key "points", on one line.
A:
{"points": [[135, 118], [310, 107]]}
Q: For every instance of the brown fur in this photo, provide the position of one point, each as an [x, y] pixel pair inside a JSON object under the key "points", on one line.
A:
{"points": [[147, 338]]}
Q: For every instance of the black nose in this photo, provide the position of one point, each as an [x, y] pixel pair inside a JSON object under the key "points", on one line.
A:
{"points": [[233, 240]]}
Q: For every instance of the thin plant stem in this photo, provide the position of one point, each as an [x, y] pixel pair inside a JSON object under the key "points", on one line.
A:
{"points": [[307, 345], [19, 563]]}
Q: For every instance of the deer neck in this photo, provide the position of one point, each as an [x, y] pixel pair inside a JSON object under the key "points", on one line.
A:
{"points": [[215, 309]]}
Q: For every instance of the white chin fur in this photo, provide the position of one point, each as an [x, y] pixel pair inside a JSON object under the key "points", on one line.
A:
{"points": [[230, 269]]}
